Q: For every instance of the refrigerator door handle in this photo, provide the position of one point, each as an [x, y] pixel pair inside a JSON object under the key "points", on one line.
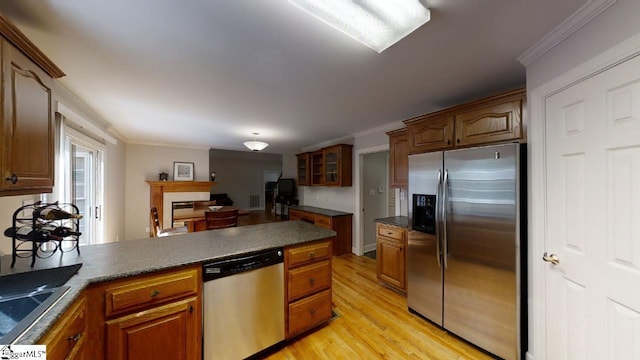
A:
{"points": [[445, 252], [438, 199]]}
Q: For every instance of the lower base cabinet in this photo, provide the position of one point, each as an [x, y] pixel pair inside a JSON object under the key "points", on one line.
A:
{"points": [[164, 332], [391, 256], [68, 337], [307, 286]]}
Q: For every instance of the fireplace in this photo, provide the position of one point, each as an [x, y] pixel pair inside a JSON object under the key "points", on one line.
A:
{"points": [[164, 193]]}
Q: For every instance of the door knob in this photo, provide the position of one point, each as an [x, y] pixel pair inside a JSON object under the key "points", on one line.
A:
{"points": [[553, 258]]}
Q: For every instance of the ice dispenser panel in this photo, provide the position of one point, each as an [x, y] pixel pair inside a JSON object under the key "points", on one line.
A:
{"points": [[424, 213]]}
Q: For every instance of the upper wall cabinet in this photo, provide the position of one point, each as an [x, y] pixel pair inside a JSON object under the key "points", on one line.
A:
{"points": [[337, 165], [330, 166], [304, 169], [493, 119], [26, 122], [399, 158]]}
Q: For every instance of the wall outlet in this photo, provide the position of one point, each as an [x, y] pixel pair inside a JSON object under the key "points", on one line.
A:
{"points": [[147, 230], [372, 192], [381, 189], [401, 194]]}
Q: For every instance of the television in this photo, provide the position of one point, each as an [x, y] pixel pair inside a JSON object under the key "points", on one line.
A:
{"points": [[287, 188]]}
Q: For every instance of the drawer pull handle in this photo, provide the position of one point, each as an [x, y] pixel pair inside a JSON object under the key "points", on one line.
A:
{"points": [[312, 281], [75, 337], [13, 178], [389, 233], [312, 254], [155, 293], [312, 311]]}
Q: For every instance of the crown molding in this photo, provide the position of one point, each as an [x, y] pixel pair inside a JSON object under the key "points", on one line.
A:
{"points": [[20, 40], [570, 25]]}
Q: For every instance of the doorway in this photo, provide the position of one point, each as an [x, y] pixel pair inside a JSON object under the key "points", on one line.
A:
{"points": [[374, 193]]}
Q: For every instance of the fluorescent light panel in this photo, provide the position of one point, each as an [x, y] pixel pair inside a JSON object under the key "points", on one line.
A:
{"points": [[375, 23]]}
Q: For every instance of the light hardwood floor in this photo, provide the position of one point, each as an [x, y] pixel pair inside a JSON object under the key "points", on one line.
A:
{"points": [[373, 323]]}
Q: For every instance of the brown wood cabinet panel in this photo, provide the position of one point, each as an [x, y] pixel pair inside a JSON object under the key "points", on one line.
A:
{"points": [[67, 337], [430, 133], [27, 128], [493, 123], [307, 286], [171, 331], [308, 313], [317, 168], [306, 254], [304, 169], [338, 165], [295, 214], [309, 279], [391, 256], [399, 158], [150, 290], [322, 221]]}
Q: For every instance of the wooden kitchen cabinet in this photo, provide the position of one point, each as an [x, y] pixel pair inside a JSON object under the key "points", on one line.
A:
{"points": [[340, 222], [26, 122], [156, 315], [495, 119], [391, 256], [338, 165], [171, 331], [304, 169], [317, 168], [430, 132], [399, 158], [307, 286], [68, 337]]}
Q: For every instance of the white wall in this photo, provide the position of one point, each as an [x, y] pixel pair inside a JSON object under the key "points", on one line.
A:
{"points": [[375, 173], [616, 24], [145, 162]]}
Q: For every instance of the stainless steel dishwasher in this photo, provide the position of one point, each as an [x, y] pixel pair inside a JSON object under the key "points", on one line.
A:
{"points": [[243, 305]]}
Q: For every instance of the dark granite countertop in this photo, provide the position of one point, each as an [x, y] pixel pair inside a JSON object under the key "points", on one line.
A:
{"points": [[134, 257], [321, 211], [400, 221]]}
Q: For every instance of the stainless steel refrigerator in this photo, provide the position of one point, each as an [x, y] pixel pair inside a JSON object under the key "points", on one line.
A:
{"points": [[467, 247]]}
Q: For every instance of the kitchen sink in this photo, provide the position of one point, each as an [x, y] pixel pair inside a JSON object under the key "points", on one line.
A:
{"points": [[24, 297]]}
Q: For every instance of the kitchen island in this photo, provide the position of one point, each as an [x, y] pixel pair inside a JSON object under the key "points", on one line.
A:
{"points": [[125, 259]]}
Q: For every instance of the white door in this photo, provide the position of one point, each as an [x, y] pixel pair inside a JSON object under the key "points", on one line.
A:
{"points": [[593, 217]]}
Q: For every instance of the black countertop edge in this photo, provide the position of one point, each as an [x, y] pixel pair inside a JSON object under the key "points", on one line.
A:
{"points": [[400, 221], [111, 261], [321, 211]]}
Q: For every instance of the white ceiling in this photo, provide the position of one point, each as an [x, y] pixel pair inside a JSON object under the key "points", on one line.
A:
{"points": [[208, 73]]}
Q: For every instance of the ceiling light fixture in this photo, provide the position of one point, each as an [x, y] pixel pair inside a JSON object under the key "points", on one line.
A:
{"points": [[255, 145], [375, 23]]}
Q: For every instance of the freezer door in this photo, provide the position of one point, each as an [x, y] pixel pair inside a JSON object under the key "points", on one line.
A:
{"points": [[424, 271], [480, 281]]}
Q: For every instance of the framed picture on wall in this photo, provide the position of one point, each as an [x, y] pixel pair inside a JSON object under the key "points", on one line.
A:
{"points": [[182, 171]]}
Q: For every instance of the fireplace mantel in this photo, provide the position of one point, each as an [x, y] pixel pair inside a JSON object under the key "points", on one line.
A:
{"points": [[158, 188]]}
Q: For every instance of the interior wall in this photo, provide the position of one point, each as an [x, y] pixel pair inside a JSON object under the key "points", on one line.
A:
{"points": [[145, 162], [375, 192], [616, 24], [241, 173]]}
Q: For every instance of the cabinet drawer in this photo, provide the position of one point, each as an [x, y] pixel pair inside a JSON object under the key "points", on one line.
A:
{"points": [[309, 312], [322, 221], [300, 255], [68, 336], [151, 290], [309, 279], [391, 232], [300, 215]]}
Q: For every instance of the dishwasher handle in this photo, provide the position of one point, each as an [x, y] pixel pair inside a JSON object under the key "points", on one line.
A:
{"points": [[222, 268]]}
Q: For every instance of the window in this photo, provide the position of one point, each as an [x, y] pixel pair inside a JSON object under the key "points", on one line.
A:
{"points": [[80, 180]]}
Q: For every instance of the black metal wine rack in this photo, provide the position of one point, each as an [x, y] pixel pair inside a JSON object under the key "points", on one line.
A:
{"points": [[39, 243]]}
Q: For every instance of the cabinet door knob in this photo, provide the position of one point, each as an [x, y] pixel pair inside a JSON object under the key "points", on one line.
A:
{"points": [[155, 293], [312, 311], [75, 337], [312, 254], [13, 178]]}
